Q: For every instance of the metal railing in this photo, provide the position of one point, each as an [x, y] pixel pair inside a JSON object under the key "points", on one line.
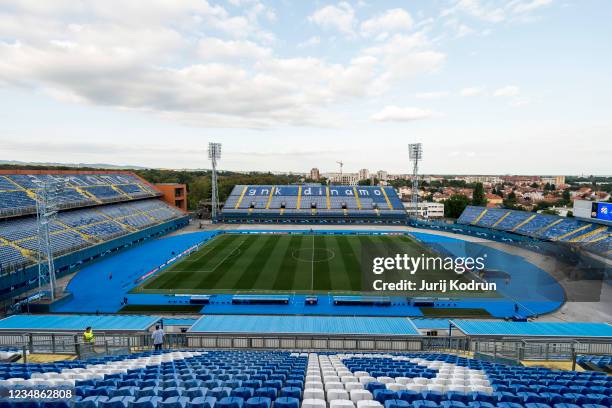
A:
{"points": [[539, 349], [508, 351]]}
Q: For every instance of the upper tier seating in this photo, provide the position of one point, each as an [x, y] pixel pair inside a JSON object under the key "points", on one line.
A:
{"points": [[594, 237], [313, 200], [19, 192], [266, 379], [76, 229]]}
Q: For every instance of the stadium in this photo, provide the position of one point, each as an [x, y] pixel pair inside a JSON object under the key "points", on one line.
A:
{"points": [[413, 208], [282, 268]]}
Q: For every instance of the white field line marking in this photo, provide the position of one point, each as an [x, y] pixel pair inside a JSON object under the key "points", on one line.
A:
{"points": [[197, 256], [225, 257]]}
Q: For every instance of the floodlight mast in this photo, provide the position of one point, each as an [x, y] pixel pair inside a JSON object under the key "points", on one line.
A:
{"points": [[47, 205], [415, 154], [214, 154]]}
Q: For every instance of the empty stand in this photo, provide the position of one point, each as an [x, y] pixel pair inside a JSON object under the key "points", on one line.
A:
{"points": [[76, 229], [266, 379], [591, 236], [247, 203], [19, 192]]}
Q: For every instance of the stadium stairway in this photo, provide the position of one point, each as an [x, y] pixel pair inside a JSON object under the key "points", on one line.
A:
{"points": [[265, 379], [89, 195], [26, 253], [588, 235], [479, 217]]}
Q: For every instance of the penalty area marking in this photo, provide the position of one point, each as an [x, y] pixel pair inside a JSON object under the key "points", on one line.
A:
{"points": [[235, 251]]}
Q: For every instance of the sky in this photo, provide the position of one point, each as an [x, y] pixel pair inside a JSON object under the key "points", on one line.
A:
{"points": [[488, 86]]}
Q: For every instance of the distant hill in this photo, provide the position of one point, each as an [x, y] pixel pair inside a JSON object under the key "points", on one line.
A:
{"points": [[72, 165]]}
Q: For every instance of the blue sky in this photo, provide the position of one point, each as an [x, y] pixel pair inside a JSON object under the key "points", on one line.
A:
{"points": [[488, 86]]}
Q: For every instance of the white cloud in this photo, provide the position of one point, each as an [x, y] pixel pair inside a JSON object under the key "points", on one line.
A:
{"points": [[476, 9], [311, 42], [404, 56], [215, 49], [340, 18], [389, 21], [495, 12], [397, 114], [529, 5], [193, 63], [464, 30], [472, 91], [431, 95], [507, 91]]}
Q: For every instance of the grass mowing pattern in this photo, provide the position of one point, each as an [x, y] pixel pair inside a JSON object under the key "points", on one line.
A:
{"points": [[269, 263]]}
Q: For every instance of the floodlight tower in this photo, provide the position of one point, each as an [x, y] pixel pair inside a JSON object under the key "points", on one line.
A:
{"points": [[415, 154], [341, 164], [214, 154], [47, 205]]}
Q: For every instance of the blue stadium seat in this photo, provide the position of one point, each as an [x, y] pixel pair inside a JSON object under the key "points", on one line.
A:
{"points": [[202, 402], [230, 402], [143, 402], [397, 403], [173, 402], [287, 402]]}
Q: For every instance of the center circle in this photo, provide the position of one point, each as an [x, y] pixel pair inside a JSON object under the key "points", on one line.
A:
{"points": [[313, 254]]}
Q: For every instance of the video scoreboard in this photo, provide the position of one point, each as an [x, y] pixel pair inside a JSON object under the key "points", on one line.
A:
{"points": [[601, 211]]}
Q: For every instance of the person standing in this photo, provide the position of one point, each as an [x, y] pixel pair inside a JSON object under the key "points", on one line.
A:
{"points": [[88, 336], [158, 338], [88, 339]]}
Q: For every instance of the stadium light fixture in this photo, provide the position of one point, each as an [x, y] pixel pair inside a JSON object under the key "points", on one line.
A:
{"points": [[214, 151], [415, 154], [214, 154]]}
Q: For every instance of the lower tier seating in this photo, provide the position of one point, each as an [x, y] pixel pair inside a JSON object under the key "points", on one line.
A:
{"points": [[266, 379]]}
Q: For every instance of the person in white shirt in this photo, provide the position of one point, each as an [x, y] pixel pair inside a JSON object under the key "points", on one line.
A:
{"points": [[158, 338]]}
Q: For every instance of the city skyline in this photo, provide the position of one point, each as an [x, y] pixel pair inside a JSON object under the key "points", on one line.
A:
{"points": [[488, 87]]}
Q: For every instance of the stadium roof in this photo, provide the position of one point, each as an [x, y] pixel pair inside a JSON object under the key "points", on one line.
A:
{"points": [[57, 322], [533, 329], [178, 321], [430, 323], [332, 325]]}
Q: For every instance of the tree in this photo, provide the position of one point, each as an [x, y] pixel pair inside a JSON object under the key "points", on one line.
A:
{"points": [[570, 214], [534, 185], [368, 181], [510, 201], [541, 206], [454, 206], [566, 196], [478, 196]]}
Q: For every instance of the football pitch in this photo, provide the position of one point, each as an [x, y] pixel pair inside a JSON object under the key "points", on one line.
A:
{"points": [[283, 263]]}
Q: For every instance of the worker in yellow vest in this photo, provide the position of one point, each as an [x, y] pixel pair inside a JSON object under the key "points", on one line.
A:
{"points": [[88, 336]]}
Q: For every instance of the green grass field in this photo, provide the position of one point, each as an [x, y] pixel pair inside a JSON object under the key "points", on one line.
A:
{"points": [[274, 263]]}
